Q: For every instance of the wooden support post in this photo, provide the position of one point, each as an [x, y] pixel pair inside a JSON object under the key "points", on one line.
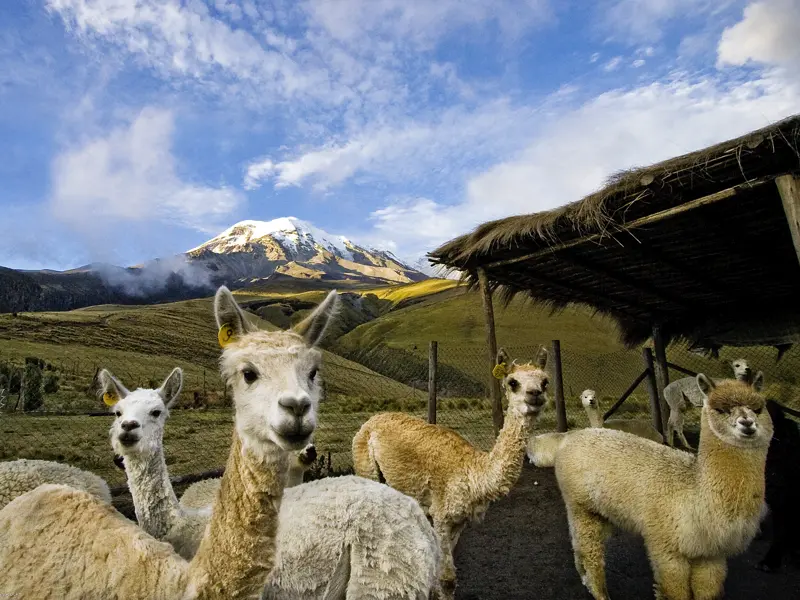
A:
{"points": [[558, 386], [491, 342], [652, 390], [432, 365], [789, 189], [661, 369]]}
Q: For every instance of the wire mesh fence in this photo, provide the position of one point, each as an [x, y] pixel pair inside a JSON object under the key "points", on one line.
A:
{"points": [[66, 422]]}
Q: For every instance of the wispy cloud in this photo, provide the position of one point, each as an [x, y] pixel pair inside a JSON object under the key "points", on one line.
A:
{"points": [[130, 175]]}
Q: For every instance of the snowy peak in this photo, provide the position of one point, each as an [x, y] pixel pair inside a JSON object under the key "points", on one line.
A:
{"points": [[292, 247]]}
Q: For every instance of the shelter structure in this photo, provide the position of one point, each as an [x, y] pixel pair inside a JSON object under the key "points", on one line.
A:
{"points": [[704, 247]]}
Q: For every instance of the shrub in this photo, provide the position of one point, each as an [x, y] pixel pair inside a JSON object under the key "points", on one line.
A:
{"points": [[51, 385], [33, 398]]}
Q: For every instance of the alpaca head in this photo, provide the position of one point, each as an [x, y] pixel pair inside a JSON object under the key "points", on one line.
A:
{"points": [[736, 411], [138, 427], [741, 369], [274, 375], [589, 399], [525, 385]]}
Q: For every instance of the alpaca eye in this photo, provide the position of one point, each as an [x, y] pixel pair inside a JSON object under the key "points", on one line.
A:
{"points": [[720, 411], [117, 413], [513, 384], [249, 375], [155, 413], [758, 411], [544, 385], [313, 374]]}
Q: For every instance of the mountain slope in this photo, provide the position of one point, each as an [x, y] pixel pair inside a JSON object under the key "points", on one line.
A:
{"points": [[249, 254], [252, 250]]}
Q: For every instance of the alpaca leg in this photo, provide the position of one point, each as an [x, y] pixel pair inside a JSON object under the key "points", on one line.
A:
{"points": [[588, 534], [456, 533], [672, 575], [683, 439], [708, 579], [447, 578]]}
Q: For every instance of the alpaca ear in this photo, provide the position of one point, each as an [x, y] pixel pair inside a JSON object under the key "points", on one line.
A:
{"points": [[503, 357], [230, 318], [112, 389], [541, 358], [171, 388], [313, 327], [705, 384], [758, 381]]}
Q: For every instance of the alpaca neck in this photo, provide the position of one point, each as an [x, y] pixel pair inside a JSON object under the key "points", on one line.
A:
{"points": [[595, 419], [731, 478], [238, 549], [296, 473], [157, 508], [500, 469]]}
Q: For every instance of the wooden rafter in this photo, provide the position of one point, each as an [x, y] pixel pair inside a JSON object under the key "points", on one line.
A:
{"points": [[789, 189]]}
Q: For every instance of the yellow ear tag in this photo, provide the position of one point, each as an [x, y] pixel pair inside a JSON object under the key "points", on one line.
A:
{"points": [[499, 371], [110, 399], [226, 335]]}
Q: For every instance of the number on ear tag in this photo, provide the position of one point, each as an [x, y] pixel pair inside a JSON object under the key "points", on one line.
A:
{"points": [[226, 335], [499, 371]]}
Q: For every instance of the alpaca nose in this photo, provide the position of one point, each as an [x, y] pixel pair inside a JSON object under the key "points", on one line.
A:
{"points": [[536, 398], [129, 425], [296, 405], [746, 422]]}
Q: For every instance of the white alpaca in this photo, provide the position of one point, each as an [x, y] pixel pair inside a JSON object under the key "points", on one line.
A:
{"points": [[542, 448], [681, 392], [58, 542], [24, 475], [341, 535], [641, 427]]}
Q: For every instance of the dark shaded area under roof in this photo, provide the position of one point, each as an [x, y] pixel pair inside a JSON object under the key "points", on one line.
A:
{"points": [[699, 245]]}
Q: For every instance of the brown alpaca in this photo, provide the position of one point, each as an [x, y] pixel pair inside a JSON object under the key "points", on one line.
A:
{"points": [[692, 511], [453, 481]]}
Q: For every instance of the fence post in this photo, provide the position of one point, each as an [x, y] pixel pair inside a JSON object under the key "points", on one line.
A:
{"points": [[661, 369], [558, 387], [652, 391], [491, 338], [432, 365], [21, 398]]}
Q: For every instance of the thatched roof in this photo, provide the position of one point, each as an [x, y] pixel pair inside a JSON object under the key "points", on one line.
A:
{"points": [[658, 244]]}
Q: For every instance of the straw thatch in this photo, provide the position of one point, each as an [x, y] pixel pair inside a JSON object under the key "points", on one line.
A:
{"points": [[593, 252]]}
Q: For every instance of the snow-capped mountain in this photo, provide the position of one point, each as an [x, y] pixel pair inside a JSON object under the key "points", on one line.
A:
{"points": [[255, 250]]}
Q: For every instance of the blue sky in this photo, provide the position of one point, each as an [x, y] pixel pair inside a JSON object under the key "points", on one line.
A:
{"points": [[132, 129]]}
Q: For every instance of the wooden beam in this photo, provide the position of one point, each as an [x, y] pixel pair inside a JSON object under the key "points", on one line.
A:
{"points": [[789, 189], [681, 369], [661, 369], [625, 395], [433, 364], [491, 343], [652, 391], [646, 220], [558, 387], [630, 282]]}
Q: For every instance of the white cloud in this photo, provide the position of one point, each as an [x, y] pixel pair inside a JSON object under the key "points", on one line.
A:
{"points": [[594, 57], [613, 64], [644, 20], [130, 176], [581, 148], [769, 33], [638, 63]]}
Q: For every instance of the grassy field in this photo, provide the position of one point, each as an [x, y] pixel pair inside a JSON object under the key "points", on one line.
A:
{"points": [[141, 344]]}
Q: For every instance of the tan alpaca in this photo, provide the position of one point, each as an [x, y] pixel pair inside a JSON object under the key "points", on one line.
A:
{"points": [[641, 427], [58, 542], [453, 481], [682, 393], [693, 511]]}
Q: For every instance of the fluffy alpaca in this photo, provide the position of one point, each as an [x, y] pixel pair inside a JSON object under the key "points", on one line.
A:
{"points": [[379, 538], [641, 427], [24, 475], [452, 480], [782, 487], [693, 511], [681, 392], [58, 542], [541, 449]]}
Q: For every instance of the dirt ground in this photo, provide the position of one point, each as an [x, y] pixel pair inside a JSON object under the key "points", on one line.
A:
{"points": [[522, 551]]}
